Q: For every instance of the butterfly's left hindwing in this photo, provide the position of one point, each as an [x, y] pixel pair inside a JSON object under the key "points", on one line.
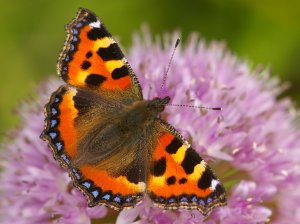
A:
{"points": [[179, 178]]}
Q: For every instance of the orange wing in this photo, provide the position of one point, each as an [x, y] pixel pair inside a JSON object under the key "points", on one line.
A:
{"points": [[99, 78], [179, 178], [64, 134], [92, 59]]}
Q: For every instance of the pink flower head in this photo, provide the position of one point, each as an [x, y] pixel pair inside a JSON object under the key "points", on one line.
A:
{"points": [[252, 145]]}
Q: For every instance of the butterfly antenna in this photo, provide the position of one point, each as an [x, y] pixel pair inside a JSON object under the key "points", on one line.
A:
{"points": [[165, 78], [169, 64], [200, 107]]}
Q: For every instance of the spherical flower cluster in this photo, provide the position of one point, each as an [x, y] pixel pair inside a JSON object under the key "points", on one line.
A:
{"points": [[253, 144]]}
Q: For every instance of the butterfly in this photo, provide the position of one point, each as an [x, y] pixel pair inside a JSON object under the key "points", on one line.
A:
{"points": [[111, 140]]}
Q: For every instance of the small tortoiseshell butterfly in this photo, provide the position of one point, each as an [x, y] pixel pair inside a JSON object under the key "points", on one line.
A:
{"points": [[111, 140]]}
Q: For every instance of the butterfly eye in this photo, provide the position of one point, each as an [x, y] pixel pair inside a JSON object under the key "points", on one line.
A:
{"points": [[166, 100]]}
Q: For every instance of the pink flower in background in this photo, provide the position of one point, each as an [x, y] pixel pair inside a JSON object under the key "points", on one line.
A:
{"points": [[253, 145]]}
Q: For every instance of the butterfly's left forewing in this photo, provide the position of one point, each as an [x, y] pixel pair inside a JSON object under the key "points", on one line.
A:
{"points": [[92, 59], [178, 177]]}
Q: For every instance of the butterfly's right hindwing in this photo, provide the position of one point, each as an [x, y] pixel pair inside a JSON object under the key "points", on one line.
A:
{"points": [[179, 178]]}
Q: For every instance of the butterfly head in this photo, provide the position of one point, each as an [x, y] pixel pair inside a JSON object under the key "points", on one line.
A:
{"points": [[158, 104]]}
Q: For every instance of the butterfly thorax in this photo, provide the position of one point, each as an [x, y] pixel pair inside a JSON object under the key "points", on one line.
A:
{"points": [[142, 113]]}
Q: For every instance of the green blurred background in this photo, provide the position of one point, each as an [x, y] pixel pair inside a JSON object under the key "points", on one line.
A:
{"points": [[32, 35]]}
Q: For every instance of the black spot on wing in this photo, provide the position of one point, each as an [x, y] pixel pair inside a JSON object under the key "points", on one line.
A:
{"points": [[120, 72], [85, 65], [205, 180], [133, 175], [174, 146], [183, 180], [159, 167], [88, 54], [112, 52], [98, 33], [94, 80], [171, 180], [191, 159]]}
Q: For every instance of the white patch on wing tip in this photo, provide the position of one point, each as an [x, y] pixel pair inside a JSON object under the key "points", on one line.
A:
{"points": [[95, 24], [214, 183]]}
